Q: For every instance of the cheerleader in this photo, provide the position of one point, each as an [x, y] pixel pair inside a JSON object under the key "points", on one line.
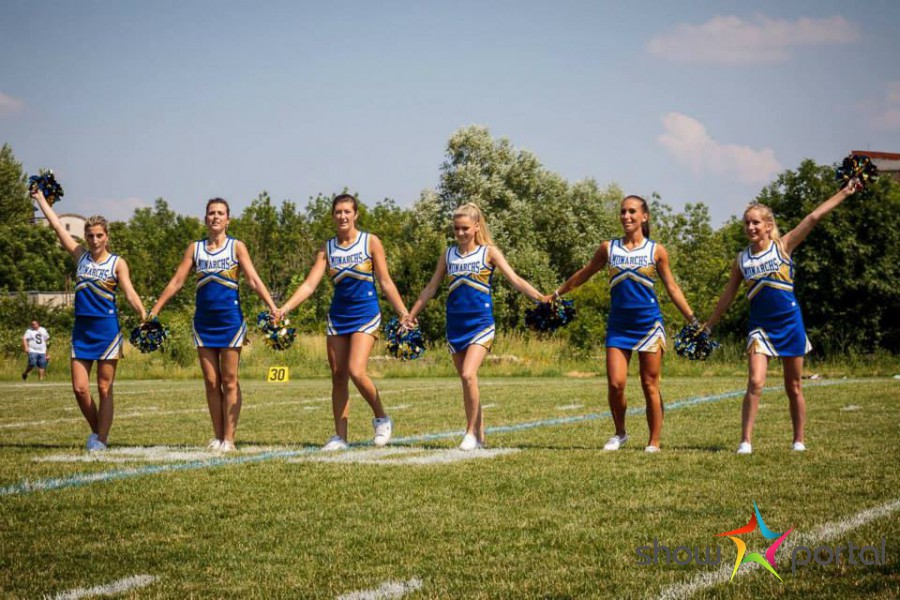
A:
{"points": [[635, 322], [96, 335], [776, 323], [354, 259], [219, 327], [468, 267]]}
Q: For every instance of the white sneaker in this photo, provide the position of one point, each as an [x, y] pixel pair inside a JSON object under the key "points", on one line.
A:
{"points": [[227, 446], [96, 445], [745, 448], [615, 442], [651, 449], [214, 445], [383, 429], [469, 442], [92, 439], [799, 447], [335, 443]]}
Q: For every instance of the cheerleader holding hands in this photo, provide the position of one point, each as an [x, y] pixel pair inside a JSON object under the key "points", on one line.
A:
{"points": [[776, 322], [354, 259], [635, 321], [468, 267], [219, 327], [96, 335]]}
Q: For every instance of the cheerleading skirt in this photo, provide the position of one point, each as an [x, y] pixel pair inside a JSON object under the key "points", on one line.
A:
{"points": [[465, 330], [781, 335], [349, 324], [640, 331], [224, 329], [96, 338]]}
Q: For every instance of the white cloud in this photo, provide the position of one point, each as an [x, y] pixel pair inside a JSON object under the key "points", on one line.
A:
{"points": [[10, 105], [690, 145], [887, 115], [732, 40]]}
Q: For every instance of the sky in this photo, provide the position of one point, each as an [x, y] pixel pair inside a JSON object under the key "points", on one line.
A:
{"points": [[130, 101]]}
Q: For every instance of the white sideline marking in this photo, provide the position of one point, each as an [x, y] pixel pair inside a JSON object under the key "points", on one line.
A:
{"points": [[147, 454], [493, 405], [824, 532], [851, 407], [404, 456], [398, 407], [569, 407], [116, 587], [386, 591]]}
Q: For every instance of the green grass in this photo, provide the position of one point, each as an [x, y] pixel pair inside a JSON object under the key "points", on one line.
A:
{"points": [[514, 355], [557, 518]]}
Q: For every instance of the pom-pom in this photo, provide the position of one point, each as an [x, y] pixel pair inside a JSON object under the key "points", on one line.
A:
{"points": [[859, 167], [693, 342], [149, 336], [278, 337], [46, 183], [405, 344], [550, 316]]}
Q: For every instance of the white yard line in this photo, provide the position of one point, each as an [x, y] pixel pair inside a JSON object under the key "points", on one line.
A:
{"points": [[827, 531], [116, 587], [386, 591]]}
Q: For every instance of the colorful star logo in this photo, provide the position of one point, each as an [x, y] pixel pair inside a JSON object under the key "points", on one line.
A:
{"points": [[767, 561]]}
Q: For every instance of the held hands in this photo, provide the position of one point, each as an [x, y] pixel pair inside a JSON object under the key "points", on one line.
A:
{"points": [[408, 321]]}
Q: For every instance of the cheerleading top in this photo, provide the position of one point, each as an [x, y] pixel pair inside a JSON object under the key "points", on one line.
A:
{"points": [[769, 277], [95, 287], [217, 277], [353, 274], [469, 280], [632, 275]]}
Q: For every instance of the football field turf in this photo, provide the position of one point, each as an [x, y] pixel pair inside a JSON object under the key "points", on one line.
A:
{"points": [[542, 512]]}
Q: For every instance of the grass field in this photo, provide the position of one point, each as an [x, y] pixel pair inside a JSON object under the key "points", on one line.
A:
{"points": [[543, 512]]}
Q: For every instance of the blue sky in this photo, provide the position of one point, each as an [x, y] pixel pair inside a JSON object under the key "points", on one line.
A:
{"points": [[699, 102]]}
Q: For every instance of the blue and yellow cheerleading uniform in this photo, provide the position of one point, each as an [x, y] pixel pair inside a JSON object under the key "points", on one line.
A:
{"points": [[635, 321], [354, 305], [96, 334], [470, 316], [218, 320], [776, 324]]}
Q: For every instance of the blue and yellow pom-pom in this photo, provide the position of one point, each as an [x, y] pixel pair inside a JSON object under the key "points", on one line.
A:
{"points": [[149, 336], [405, 344], [693, 342], [277, 337], [47, 183], [550, 316], [859, 167]]}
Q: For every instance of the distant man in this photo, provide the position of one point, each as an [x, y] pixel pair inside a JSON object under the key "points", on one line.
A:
{"points": [[34, 343]]}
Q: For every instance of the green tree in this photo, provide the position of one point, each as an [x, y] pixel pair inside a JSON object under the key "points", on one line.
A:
{"points": [[15, 204], [30, 256], [153, 242], [846, 270], [546, 227]]}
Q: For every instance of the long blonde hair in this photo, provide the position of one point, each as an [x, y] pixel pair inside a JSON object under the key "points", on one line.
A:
{"points": [[483, 235], [767, 215]]}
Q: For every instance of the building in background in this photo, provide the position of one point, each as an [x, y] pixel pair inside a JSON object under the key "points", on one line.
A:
{"points": [[73, 223], [888, 163]]}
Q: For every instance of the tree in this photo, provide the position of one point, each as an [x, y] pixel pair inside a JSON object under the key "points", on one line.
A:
{"points": [[846, 270], [30, 257], [546, 227], [15, 204], [153, 242]]}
